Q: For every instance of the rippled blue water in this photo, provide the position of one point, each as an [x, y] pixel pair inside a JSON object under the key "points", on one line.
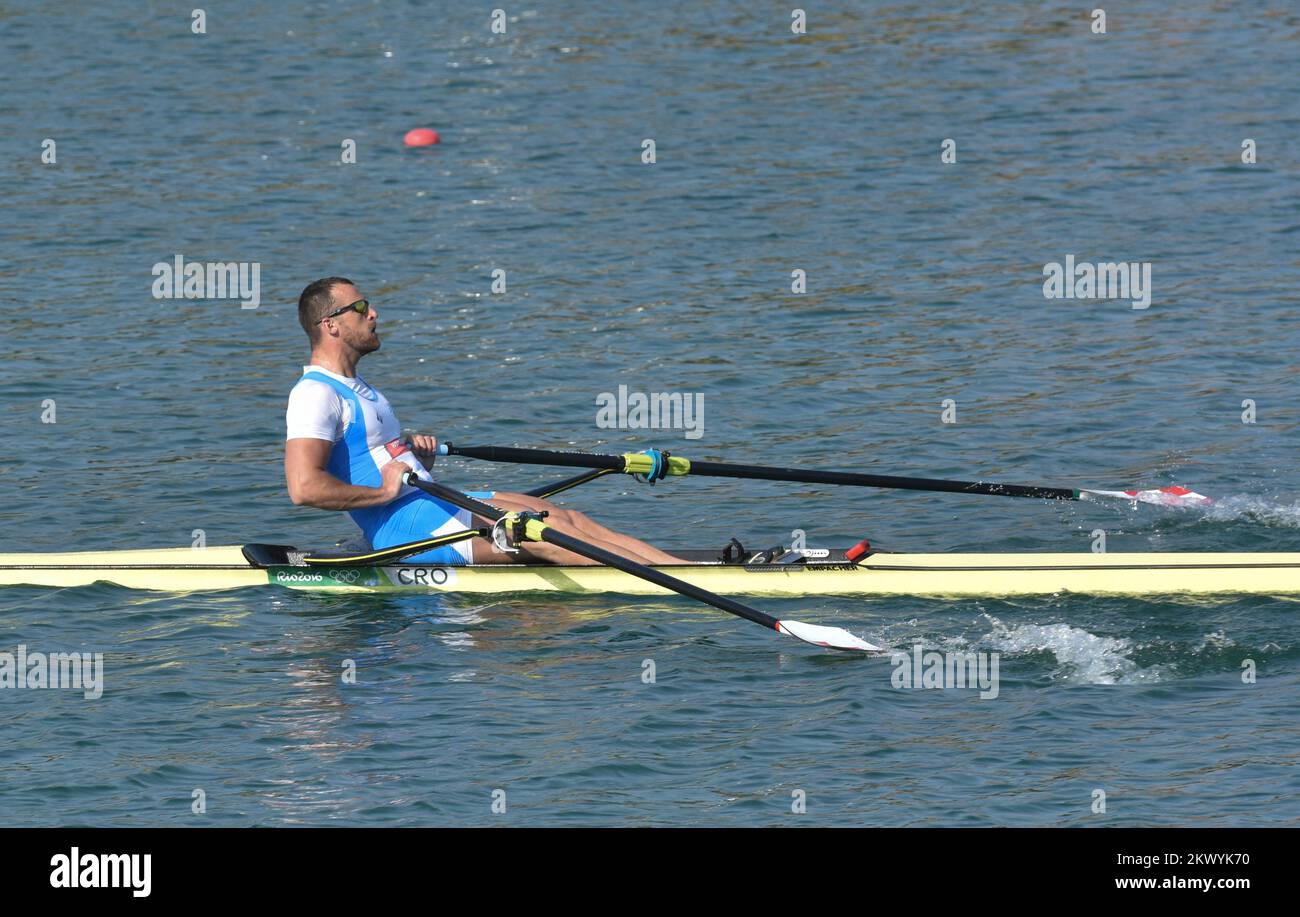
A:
{"points": [[775, 153]]}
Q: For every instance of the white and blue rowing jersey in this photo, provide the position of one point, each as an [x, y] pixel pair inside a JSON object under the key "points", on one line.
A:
{"points": [[366, 434]]}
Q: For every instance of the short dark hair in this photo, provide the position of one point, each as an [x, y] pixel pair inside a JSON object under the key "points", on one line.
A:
{"points": [[315, 303]]}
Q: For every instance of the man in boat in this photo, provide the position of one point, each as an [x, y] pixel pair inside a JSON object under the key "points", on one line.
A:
{"points": [[345, 451]]}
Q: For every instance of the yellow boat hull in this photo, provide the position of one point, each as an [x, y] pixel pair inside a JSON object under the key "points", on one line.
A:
{"points": [[186, 570]]}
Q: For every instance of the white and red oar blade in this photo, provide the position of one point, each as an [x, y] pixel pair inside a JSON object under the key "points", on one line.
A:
{"points": [[1160, 496], [835, 638]]}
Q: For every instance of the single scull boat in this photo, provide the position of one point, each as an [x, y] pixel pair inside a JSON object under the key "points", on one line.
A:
{"points": [[702, 576]]}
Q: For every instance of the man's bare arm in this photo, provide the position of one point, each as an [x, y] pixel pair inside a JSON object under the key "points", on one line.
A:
{"points": [[311, 484]]}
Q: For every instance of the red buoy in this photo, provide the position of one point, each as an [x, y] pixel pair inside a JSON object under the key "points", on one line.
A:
{"points": [[421, 136]]}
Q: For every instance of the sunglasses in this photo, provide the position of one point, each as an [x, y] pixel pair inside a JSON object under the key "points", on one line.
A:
{"points": [[361, 305]]}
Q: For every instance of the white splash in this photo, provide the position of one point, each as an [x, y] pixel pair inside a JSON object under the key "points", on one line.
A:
{"points": [[1083, 657], [1216, 640], [1255, 509]]}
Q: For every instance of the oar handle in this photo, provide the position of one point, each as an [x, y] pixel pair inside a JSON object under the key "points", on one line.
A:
{"points": [[518, 456]]}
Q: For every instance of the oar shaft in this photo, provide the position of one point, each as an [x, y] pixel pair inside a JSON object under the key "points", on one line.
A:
{"points": [[727, 470], [854, 479], [651, 575], [592, 552]]}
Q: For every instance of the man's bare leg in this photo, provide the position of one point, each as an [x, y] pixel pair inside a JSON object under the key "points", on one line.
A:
{"points": [[570, 522], [580, 525]]}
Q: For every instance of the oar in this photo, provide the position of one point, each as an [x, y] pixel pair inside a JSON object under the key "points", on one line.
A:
{"points": [[645, 464], [529, 526]]}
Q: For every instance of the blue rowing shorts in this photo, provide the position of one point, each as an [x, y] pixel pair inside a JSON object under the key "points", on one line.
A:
{"points": [[419, 515]]}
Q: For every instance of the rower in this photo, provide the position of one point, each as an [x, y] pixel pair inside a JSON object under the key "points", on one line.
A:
{"points": [[345, 451]]}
